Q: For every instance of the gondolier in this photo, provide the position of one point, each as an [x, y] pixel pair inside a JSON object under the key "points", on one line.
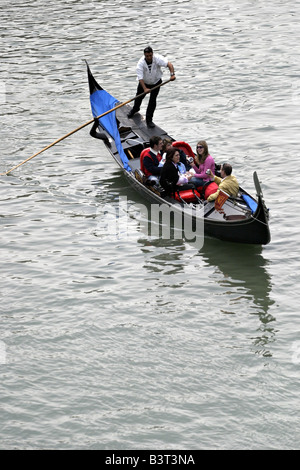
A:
{"points": [[149, 75]]}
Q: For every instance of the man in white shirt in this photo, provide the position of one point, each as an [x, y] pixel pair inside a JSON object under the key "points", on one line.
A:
{"points": [[149, 75]]}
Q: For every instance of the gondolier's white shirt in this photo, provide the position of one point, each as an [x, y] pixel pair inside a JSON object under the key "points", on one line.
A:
{"points": [[151, 74]]}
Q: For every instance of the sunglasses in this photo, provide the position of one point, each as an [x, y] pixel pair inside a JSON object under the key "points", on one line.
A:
{"points": [[200, 147]]}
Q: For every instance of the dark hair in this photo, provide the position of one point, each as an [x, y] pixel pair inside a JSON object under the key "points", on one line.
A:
{"points": [[227, 169], [166, 142], [148, 49], [154, 140], [170, 153]]}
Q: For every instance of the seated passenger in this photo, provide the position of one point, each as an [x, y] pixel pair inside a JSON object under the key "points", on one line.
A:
{"points": [[171, 179], [150, 160], [227, 182], [183, 165], [167, 144], [184, 160], [203, 162]]}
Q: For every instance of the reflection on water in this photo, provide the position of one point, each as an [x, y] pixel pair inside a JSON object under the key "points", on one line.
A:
{"points": [[244, 270], [244, 266], [158, 222], [239, 270], [167, 256]]}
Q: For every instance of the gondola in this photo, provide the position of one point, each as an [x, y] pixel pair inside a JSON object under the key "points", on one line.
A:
{"points": [[241, 219]]}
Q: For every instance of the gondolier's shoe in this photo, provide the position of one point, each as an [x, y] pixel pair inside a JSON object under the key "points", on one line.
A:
{"points": [[131, 114], [150, 124]]}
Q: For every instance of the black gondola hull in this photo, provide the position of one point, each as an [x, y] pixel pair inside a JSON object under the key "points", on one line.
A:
{"points": [[239, 226]]}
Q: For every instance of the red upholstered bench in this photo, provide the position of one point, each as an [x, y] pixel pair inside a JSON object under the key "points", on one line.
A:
{"points": [[209, 189], [188, 195]]}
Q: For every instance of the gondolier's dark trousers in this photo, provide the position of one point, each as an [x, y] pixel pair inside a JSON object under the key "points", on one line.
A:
{"points": [[152, 100]]}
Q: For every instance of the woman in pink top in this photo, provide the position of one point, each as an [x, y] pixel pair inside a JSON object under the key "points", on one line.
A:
{"points": [[203, 162]]}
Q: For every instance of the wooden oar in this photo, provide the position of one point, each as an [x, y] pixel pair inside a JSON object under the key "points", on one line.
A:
{"points": [[84, 125]]}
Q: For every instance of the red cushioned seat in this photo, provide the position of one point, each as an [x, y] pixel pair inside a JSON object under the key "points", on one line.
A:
{"points": [[210, 189], [185, 147], [188, 195]]}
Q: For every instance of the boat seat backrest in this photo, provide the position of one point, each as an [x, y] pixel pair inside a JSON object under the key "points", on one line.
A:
{"points": [[187, 149]]}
